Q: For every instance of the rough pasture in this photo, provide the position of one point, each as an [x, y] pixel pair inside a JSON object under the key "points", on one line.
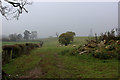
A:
{"points": [[49, 62]]}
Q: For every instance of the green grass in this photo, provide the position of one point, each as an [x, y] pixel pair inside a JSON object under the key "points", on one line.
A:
{"points": [[85, 66], [45, 62], [12, 43], [53, 42], [25, 62]]}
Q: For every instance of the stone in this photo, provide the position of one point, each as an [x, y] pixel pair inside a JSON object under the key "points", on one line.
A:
{"points": [[74, 45], [83, 52], [101, 44]]}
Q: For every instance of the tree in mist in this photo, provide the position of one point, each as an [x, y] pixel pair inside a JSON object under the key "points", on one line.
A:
{"points": [[19, 37], [5, 38], [27, 35], [13, 7], [13, 37], [91, 33], [33, 35], [57, 34], [66, 38]]}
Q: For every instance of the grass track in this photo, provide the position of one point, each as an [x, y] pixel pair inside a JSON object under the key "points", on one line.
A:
{"points": [[46, 63]]}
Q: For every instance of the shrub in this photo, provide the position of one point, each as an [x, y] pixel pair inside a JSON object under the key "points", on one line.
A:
{"points": [[36, 45], [118, 51], [104, 54], [23, 48], [110, 47], [66, 38], [29, 46], [118, 55]]}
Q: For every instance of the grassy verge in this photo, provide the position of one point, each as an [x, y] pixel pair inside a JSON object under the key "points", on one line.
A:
{"points": [[20, 64]]}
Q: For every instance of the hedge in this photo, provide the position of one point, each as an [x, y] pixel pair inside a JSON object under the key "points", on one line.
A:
{"points": [[13, 51]]}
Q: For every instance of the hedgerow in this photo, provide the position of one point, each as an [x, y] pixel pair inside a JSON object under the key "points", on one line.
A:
{"points": [[13, 51]]}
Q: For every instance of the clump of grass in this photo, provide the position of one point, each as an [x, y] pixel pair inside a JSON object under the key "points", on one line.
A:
{"points": [[64, 52]]}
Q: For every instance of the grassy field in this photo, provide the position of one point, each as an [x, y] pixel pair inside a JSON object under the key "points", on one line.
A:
{"points": [[46, 62], [12, 43]]}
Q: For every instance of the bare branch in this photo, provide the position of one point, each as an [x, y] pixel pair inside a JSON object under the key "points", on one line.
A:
{"points": [[14, 8]]}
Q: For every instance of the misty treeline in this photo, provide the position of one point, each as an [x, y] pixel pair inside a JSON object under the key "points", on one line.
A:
{"points": [[27, 35]]}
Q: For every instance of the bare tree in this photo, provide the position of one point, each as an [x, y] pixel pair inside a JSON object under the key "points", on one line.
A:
{"points": [[57, 34], [13, 37], [91, 33], [13, 8], [33, 35]]}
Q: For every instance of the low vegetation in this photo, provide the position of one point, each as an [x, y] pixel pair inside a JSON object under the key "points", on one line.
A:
{"points": [[106, 46], [55, 61], [13, 51]]}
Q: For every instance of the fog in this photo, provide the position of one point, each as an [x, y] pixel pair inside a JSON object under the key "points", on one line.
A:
{"points": [[47, 18]]}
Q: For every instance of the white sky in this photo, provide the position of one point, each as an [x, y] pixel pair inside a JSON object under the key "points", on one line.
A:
{"points": [[76, 0], [51, 17]]}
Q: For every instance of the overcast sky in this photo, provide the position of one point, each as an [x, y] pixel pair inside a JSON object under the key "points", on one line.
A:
{"points": [[47, 18]]}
